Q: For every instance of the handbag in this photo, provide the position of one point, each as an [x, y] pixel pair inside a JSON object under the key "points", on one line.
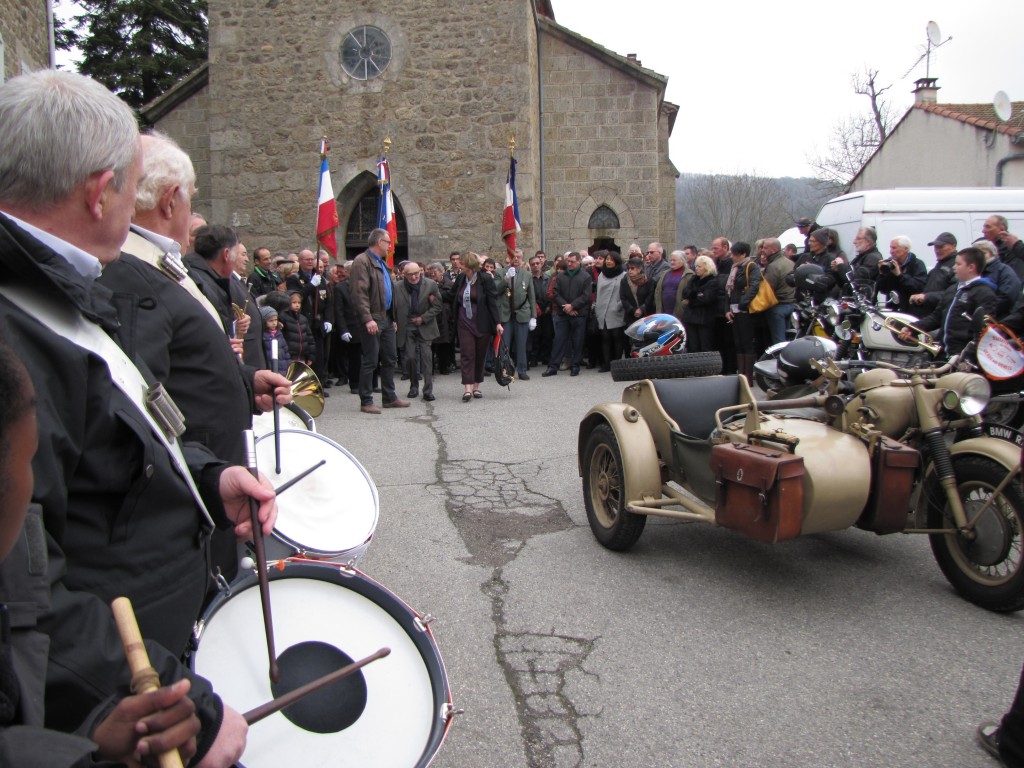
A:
{"points": [[504, 367], [765, 298]]}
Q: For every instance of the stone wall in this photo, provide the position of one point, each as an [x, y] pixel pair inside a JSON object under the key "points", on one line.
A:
{"points": [[188, 124], [604, 144], [460, 82], [24, 35]]}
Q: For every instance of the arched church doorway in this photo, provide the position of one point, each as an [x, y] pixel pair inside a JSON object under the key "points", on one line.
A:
{"points": [[360, 199]]}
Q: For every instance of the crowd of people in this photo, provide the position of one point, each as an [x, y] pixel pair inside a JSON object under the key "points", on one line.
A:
{"points": [[137, 342]]}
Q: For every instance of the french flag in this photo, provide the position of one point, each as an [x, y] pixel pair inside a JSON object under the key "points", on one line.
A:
{"points": [[386, 207], [510, 224], [327, 210]]}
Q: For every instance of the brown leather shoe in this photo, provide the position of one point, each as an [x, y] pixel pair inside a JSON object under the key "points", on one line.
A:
{"points": [[396, 404], [370, 408]]}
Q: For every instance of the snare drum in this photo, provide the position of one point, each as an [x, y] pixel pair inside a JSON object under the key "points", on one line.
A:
{"points": [[395, 711], [331, 513], [290, 416]]}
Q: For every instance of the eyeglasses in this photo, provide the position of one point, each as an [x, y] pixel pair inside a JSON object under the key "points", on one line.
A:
{"points": [[650, 252]]}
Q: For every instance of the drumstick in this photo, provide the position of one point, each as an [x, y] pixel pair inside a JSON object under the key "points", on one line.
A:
{"points": [[261, 561], [275, 367], [266, 710], [144, 677], [285, 486]]}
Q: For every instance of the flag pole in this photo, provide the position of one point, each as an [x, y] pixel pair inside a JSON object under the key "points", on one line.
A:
{"points": [[324, 146]]}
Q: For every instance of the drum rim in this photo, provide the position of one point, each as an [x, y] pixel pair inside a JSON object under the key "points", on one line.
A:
{"points": [[305, 549], [403, 614]]}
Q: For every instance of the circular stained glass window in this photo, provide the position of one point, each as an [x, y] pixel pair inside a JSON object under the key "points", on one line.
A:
{"points": [[365, 52]]}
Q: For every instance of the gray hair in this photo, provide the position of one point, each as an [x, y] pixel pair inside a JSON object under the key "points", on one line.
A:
{"points": [[903, 241], [710, 268], [165, 165], [989, 249], [59, 128], [376, 235]]}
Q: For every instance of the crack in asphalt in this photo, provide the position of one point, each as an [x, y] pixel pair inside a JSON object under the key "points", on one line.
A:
{"points": [[496, 514]]}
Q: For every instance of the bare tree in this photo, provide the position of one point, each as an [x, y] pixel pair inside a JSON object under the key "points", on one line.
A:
{"points": [[740, 207], [854, 138]]}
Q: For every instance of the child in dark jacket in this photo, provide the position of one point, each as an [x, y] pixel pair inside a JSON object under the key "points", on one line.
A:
{"points": [[273, 325], [295, 326]]}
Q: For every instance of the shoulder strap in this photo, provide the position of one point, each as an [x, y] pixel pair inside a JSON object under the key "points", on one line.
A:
{"points": [[123, 373]]}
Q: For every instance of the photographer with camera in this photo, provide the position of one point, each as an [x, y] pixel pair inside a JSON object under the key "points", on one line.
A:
{"points": [[902, 272]]}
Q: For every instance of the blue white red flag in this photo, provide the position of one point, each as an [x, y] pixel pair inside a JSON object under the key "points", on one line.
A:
{"points": [[327, 208], [510, 223], [386, 207]]}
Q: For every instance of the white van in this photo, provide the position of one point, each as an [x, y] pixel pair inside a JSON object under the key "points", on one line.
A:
{"points": [[921, 214]]}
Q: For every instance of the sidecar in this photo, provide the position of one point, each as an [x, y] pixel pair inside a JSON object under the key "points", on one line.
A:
{"points": [[702, 450]]}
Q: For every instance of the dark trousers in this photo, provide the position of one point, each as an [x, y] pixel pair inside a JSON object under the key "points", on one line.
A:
{"points": [[700, 337], [515, 337], [612, 345], [419, 362], [352, 360], [1011, 730], [569, 334], [472, 353], [378, 348], [539, 343], [724, 344]]}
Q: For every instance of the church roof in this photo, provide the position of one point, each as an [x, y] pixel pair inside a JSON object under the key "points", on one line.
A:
{"points": [[178, 93]]}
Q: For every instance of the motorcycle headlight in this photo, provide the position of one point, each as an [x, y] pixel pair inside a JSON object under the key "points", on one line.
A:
{"points": [[832, 311], [966, 393]]}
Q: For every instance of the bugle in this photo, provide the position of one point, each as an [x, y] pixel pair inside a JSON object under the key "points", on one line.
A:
{"points": [[896, 325]]}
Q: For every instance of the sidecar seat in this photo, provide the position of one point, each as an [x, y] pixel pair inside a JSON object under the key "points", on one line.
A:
{"points": [[692, 402]]}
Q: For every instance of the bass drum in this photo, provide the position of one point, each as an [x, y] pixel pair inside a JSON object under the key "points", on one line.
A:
{"points": [[291, 416], [394, 712], [331, 513]]}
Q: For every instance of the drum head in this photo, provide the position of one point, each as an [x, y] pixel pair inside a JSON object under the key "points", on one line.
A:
{"points": [[393, 712], [999, 356], [290, 416], [332, 511]]}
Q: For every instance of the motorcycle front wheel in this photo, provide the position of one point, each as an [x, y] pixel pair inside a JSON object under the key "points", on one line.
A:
{"points": [[987, 570], [604, 492]]}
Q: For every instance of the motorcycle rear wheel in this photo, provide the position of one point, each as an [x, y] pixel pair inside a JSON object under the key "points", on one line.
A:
{"points": [[988, 571], [604, 492], [681, 366]]}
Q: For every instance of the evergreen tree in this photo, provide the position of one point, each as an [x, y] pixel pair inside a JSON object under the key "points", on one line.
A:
{"points": [[139, 48]]}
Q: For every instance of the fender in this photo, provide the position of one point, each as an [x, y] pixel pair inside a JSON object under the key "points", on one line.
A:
{"points": [[641, 470], [1001, 451]]}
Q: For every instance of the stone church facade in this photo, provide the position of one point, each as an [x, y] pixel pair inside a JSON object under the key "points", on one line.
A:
{"points": [[24, 37], [449, 84]]}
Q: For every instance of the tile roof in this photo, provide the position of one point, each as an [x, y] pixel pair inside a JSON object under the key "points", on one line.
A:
{"points": [[980, 115]]}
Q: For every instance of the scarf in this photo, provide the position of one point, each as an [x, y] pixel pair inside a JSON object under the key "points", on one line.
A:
{"points": [[611, 271], [467, 305], [573, 272]]}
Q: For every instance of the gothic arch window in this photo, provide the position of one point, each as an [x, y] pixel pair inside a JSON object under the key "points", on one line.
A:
{"points": [[363, 220], [603, 217]]}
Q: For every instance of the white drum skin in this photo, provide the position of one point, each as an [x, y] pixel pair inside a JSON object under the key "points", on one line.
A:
{"points": [[408, 707], [289, 417], [331, 513]]}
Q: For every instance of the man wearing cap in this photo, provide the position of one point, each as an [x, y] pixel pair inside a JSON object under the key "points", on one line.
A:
{"points": [[941, 275], [806, 226]]}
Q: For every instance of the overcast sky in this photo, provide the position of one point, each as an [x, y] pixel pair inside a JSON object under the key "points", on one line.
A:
{"points": [[759, 84]]}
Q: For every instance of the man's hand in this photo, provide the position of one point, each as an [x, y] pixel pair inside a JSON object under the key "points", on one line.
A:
{"points": [[237, 346], [498, 329], [328, 327], [269, 386], [148, 725], [237, 486], [416, 320], [346, 336], [371, 328], [229, 745], [917, 298], [567, 308], [242, 325], [315, 281], [1009, 239], [905, 333]]}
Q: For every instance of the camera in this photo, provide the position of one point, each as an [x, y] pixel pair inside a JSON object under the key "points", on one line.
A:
{"points": [[886, 264]]}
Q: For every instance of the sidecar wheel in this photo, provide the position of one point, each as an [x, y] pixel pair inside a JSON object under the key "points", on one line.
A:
{"points": [[988, 570], [681, 366], [604, 492]]}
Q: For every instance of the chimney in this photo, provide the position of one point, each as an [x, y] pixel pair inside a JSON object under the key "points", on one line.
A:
{"points": [[632, 57], [926, 91]]}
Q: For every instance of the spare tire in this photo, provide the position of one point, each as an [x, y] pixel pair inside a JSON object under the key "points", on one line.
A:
{"points": [[679, 366]]}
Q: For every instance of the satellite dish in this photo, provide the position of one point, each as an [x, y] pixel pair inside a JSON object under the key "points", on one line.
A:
{"points": [[1003, 107], [934, 35]]}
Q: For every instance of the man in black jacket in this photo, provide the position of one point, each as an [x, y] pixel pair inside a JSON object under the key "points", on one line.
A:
{"points": [[127, 509], [940, 277], [902, 272], [571, 304]]}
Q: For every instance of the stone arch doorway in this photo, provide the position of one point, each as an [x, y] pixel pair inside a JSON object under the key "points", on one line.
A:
{"points": [[357, 211]]}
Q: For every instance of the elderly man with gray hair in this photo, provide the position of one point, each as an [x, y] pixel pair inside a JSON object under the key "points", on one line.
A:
{"points": [[902, 272], [127, 509]]}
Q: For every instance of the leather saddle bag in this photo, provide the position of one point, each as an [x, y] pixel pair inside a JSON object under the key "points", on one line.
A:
{"points": [[760, 491]]}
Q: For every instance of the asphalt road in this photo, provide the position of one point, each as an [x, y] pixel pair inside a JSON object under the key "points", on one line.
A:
{"points": [[696, 648]]}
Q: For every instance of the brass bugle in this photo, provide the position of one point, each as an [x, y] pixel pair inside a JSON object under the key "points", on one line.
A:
{"points": [[896, 324], [239, 311], [307, 392]]}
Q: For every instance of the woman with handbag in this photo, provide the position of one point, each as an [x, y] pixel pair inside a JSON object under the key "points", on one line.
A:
{"points": [[742, 286]]}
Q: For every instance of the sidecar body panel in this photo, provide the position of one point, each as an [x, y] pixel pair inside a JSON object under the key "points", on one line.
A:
{"points": [[837, 480], [640, 467]]}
